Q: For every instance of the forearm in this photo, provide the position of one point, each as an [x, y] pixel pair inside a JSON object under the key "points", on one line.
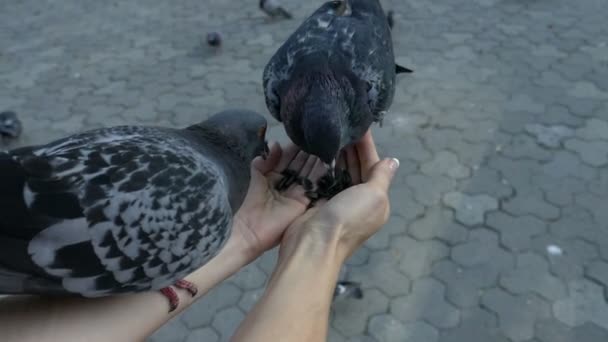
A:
{"points": [[117, 318], [296, 304]]}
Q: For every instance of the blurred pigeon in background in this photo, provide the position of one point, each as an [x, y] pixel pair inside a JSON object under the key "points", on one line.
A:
{"points": [[348, 289], [10, 125], [333, 77], [123, 209], [390, 17], [273, 9], [214, 39]]}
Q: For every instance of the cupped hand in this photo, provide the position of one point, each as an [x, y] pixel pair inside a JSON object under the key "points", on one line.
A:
{"points": [[352, 216], [266, 212]]}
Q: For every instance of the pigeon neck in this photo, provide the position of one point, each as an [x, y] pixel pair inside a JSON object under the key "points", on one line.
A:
{"points": [[227, 154]]}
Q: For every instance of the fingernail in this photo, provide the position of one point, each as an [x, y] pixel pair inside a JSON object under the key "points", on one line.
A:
{"points": [[394, 164]]}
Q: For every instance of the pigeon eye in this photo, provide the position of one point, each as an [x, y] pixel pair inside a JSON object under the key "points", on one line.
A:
{"points": [[336, 4], [262, 132]]}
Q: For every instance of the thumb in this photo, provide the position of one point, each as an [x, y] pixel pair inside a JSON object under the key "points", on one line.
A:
{"points": [[382, 173]]}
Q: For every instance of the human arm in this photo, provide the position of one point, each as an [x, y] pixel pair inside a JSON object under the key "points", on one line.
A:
{"points": [[257, 227], [296, 303]]}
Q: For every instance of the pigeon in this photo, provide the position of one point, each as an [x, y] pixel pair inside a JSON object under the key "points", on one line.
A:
{"points": [[273, 9], [123, 209], [214, 39], [333, 77], [348, 289], [10, 125], [390, 18]]}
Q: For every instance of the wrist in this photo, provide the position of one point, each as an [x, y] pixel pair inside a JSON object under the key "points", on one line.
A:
{"points": [[315, 244]]}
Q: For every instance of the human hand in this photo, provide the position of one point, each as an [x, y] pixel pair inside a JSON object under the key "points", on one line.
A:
{"points": [[266, 212], [351, 217]]}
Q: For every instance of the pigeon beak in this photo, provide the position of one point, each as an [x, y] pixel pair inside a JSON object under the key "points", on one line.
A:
{"points": [[266, 151], [262, 136]]}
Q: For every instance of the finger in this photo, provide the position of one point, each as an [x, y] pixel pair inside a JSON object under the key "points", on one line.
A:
{"points": [[274, 156], [353, 164], [368, 155], [308, 165], [318, 171], [382, 173], [298, 162], [289, 153]]}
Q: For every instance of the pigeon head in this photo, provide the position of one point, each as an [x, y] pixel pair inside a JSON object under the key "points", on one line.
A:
{"points": [[10, 125], [241, 133], [323, 111]]}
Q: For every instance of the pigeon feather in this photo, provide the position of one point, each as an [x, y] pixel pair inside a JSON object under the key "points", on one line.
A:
{"points": [[122, 209]]}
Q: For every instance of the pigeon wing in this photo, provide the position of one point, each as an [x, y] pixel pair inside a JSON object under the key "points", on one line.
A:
{"points": [[122, 210]]}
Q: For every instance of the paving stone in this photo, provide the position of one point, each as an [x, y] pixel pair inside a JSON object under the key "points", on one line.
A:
{"points": [[549, 136], [250, 298], [487, 181], [465, 286], [476, 325], [565, 164], [585, 303], [594, 129], [426, 301], [470, 210], [587, 90], [522, 146], [201, 313], [226, 321], [417, 257], [203, 335], [516, 232], [531, 204], [532, 275], [594, 204], [381, 272], [445, 163], [173, 331], [386, 328], [249, 277], [438, 224], [351, 316], [594, 153], [268, 261], [555, 331], [482, 248], [598, 270], [517, 315], [429, 190]]}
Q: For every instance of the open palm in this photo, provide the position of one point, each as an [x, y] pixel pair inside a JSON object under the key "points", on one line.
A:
{"points": [[266, 212]]}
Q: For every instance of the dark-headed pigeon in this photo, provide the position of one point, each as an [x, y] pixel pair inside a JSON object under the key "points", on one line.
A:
{"points": [[10, 125], [273, 9], [214, 39], [348, 289], [123, 209], [333, 77]]}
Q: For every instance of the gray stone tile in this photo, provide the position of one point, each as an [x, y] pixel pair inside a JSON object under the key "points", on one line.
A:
{"points": [[226, 321], [203, 335], [386, 328], [426, 301], [517, 315], [350, 317], [201, 313]]}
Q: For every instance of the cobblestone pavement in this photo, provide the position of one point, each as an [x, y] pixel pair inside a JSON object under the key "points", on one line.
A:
{"points": [[499, 229]]}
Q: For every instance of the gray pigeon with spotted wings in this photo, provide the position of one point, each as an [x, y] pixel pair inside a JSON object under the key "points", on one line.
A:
{"points": [[123, 209], [333, 77]]}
